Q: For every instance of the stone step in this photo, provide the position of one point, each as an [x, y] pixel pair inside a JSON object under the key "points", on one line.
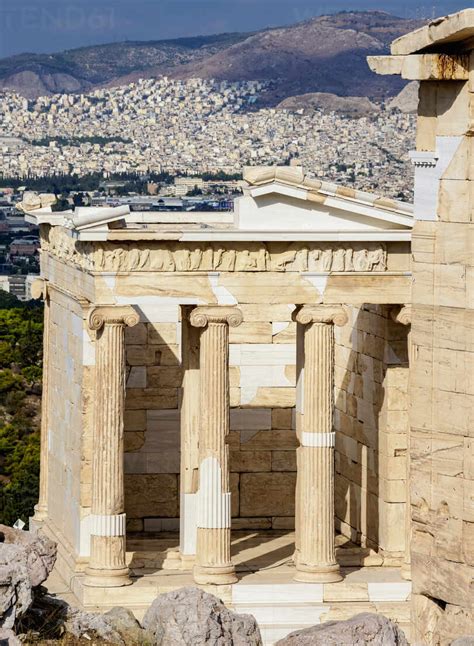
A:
{"points": [[278, 620], [279, 604], [283, 608], [272, 634], [352, 588], [289, 614]]}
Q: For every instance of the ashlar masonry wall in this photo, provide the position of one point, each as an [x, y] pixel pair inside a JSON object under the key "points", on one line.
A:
{"points": [[371, 419], [262, 439], [371, 423], [66, 418], [442, 388]]}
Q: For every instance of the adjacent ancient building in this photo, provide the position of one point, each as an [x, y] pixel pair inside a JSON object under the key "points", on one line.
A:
{"points": [[251, 382], [441, 57]]}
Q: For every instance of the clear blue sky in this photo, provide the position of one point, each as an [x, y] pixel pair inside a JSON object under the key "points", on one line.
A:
{"points": [[54, 25]]}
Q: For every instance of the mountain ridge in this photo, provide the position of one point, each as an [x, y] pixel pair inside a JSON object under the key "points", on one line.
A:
{"points": [[321, 54]]}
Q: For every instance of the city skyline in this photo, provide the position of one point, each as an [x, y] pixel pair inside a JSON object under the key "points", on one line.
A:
{"points": [[54, 25]]}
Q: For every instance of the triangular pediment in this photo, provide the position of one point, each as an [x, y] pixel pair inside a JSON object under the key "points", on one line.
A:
{"points": [[276, 205]]}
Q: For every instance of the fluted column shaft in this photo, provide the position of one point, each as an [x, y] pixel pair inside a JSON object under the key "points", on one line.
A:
{"points": [[213, 560], [315, 542], [402, 315], [107, 565], [40, 290]]}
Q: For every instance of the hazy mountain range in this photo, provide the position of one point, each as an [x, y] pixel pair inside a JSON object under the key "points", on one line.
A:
{"points": [[325, 54]]}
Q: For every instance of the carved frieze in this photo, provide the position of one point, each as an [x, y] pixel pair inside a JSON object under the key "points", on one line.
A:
{"points": [[215, 256]]}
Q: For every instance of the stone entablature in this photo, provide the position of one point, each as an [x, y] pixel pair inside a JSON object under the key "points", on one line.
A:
{"points": [[228, 257]]}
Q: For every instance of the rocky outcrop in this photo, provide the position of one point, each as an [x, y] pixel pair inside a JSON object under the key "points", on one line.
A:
{"points": [[15, 586], [26, 559], [39, 551], [117, 626], [8, 638], [362, 630], [192, 616]]}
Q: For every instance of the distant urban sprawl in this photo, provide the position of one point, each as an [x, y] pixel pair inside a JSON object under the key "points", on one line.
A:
{"points": [[197, 126]]}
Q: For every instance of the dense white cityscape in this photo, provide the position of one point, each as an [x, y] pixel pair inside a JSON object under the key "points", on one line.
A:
{"points": [[196, 126]]}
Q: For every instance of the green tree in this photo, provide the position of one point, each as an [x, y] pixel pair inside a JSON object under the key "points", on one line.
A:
{"points": [[21, 329], [21, 467]]}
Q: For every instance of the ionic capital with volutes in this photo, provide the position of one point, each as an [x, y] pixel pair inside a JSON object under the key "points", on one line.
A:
{"points": [[401, 314], [112, 314], [203, 315], [39, 289], [330, 314]]}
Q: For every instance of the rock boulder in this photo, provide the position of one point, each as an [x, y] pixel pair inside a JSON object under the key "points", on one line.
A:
{"points": [[192, 616], [8, 638], [26, 559], [362, 630], [117, 626], [40, 552]]}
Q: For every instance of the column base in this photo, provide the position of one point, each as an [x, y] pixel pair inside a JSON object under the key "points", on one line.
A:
{"points": [[308, 574], [40, 515], [188, 561], [217, 575], [172, 560], [107, 578]]}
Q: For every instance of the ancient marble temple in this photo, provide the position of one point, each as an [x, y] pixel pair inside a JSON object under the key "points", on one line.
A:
{"points": [[249, 381]]}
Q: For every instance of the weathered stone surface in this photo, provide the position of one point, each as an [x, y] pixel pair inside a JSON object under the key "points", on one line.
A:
{"points": [[247, 461], [117, 626], [282, 418], [267, 494], [8, 638], [192, 616], [435, 624], [251, 332], [283, 460], [365, 628], [164, 376], [268, 440], [15, 587], [158, 491], [135, 420], [133, 441], [466, 640], [26, 559], [40, 552]]}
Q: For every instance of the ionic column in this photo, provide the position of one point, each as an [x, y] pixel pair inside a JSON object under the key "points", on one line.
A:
{"points": [[213, 561], [39, 289], [402, 315], [107, 566], [316, 557]]}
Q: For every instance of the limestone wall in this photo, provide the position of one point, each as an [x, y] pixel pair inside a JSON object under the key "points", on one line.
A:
{"points": [[65, 417], [442, 392], [262, 438], [371, 422]]}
